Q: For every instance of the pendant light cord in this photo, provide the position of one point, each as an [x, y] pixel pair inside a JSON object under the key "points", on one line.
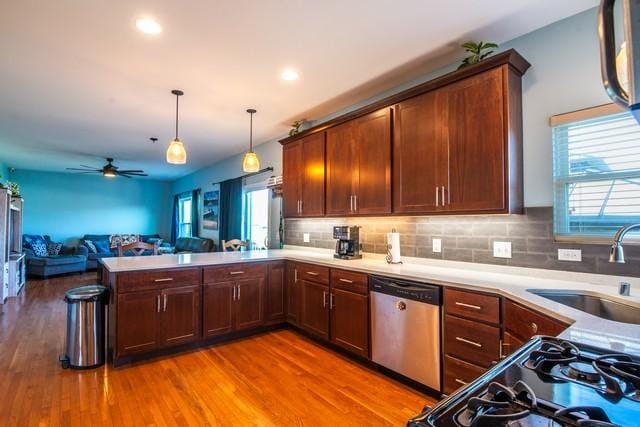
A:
{"points": [[177, 98], [251, 133]]}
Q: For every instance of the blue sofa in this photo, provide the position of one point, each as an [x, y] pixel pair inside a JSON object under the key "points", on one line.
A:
{"points": [[93, 258], [71, 259]]}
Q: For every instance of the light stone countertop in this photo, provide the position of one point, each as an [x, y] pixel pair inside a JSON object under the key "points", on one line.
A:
{"points": [[512, 282]]}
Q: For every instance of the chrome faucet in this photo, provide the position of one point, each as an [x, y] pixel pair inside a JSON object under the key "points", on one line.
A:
{"points": [[617, 252]]}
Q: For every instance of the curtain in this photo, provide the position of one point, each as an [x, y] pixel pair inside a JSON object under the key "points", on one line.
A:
{"points": [[195, 212], [230, 223], [175, 218]]}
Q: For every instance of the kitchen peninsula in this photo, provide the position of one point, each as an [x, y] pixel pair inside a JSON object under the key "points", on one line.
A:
{"points": [[169, 302]]}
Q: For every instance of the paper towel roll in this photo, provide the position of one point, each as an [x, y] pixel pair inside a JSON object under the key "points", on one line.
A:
{"points": [[393, 248]]}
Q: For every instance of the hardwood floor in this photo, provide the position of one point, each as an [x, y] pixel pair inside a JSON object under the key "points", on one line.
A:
{"points": [[278, 378]]}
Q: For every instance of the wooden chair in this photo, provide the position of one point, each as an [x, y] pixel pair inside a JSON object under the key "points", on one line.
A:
{"points": [[234, 245], [137, 248]]}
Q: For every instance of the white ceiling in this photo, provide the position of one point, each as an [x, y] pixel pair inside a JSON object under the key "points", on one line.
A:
{"points": [[78, 82]]}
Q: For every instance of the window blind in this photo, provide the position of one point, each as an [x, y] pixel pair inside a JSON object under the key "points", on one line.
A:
{"points": [[596, 175]]}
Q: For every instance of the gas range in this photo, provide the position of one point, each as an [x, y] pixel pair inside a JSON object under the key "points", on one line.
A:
{"points": [[548, 382]]}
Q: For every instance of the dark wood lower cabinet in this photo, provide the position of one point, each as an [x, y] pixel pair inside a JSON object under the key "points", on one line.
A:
{"points": [[137, 321], [249, 306], [217, 308], [350, 321], [293, 294], [458, 373], [275, 304], [315, 308], [180, 315]]}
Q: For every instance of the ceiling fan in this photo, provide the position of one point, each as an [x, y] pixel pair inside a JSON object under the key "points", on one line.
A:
{"points": [[109, 170]]}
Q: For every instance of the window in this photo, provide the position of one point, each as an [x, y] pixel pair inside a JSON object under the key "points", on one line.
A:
{"points": [[184, 211], [256, 218], [596, 175]]}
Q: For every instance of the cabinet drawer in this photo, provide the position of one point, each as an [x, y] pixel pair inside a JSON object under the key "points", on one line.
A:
{"points": [[472, 305], [234, 272], [155, 279], [458, 373], [471, 341], [350, 281], [524, 323], [314, 273]]}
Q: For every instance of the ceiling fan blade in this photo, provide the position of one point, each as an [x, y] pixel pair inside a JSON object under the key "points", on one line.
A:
{"points": [[84, 170], [80, 172], [85, 166], [134, 174], [126, 176], [131, 171]]}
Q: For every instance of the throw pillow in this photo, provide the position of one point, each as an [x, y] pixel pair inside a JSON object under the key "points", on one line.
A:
{"points": [[54, 248], [40, 249], [31, 239], [92, 248], [102, 246]]}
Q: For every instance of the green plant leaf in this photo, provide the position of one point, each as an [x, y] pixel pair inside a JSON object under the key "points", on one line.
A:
{"points": [[490, 46], [471, 46]]}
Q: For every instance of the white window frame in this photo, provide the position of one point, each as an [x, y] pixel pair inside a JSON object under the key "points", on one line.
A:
{"points": [[560, 193], [181, 220]]}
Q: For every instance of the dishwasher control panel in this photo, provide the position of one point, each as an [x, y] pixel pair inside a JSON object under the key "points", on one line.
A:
{"points": [[429, 294]]}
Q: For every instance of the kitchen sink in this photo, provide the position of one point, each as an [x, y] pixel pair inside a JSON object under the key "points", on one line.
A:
{"points": [[593, 304]]}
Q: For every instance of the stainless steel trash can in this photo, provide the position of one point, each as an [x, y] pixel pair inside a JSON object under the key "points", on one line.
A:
{"points": [[86, 323]]}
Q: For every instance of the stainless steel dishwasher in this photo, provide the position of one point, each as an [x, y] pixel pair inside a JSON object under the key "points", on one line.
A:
{"points": [[405, 328]]}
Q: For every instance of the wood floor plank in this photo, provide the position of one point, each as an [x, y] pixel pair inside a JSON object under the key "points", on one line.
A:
{"points": [[275, 379]]}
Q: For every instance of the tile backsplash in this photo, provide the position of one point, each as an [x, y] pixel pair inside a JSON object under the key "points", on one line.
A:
{"points": [[470, 238]]}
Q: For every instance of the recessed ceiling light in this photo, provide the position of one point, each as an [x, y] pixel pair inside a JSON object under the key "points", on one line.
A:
{"points": [[148, 26], [289, 75]]}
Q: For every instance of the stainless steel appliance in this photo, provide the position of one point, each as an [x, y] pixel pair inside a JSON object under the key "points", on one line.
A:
{"points": [[86, 323], [405, 329], [628, 97], [348, 242], [548, 382]]}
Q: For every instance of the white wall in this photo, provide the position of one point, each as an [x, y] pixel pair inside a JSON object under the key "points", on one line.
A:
{"points": [[564, 76]]}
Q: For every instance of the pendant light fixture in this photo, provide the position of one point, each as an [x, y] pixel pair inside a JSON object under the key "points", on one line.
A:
{"points": [[251, 163], [176, 154]]}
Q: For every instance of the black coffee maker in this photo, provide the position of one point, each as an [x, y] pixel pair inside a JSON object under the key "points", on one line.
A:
{"points": [[348, 242]]}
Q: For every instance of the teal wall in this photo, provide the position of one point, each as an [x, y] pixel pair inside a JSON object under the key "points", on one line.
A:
{"points": [[4, 171], [67, 206]]}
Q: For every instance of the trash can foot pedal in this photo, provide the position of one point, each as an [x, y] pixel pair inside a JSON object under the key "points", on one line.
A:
{"points": [[64, 361]]}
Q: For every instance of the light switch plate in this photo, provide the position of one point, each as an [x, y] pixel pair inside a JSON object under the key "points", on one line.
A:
{"points": [[437, 245], [570, 255], [502, 249], [306, 238]]}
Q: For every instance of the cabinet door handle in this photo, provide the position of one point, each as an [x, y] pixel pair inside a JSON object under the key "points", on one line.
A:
{"points": [[437, 196], [301, 206], [351, 203], [346, 280], [158, 303], [473, 343], [443, 195], [332, 304], [295, 275], [233, 293], [166, 279], [165, 303], [534, 327], [459, 381], [312, 273], [324, 299], [355, 202], [236, 272], [238, 292], [462, 304]]}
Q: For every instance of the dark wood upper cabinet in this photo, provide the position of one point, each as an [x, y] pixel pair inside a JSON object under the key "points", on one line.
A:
{"points": [[420, 153], [341, 170], [456, 143], [137, 325], [359, 166], [180, 315], [303, 177], [292, 179], [478, 164], [373, 172]]}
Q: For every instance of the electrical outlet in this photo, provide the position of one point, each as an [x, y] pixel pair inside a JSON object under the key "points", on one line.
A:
{"points": [[570, 255], [502, 249], [306, 238], [437, 245]]}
